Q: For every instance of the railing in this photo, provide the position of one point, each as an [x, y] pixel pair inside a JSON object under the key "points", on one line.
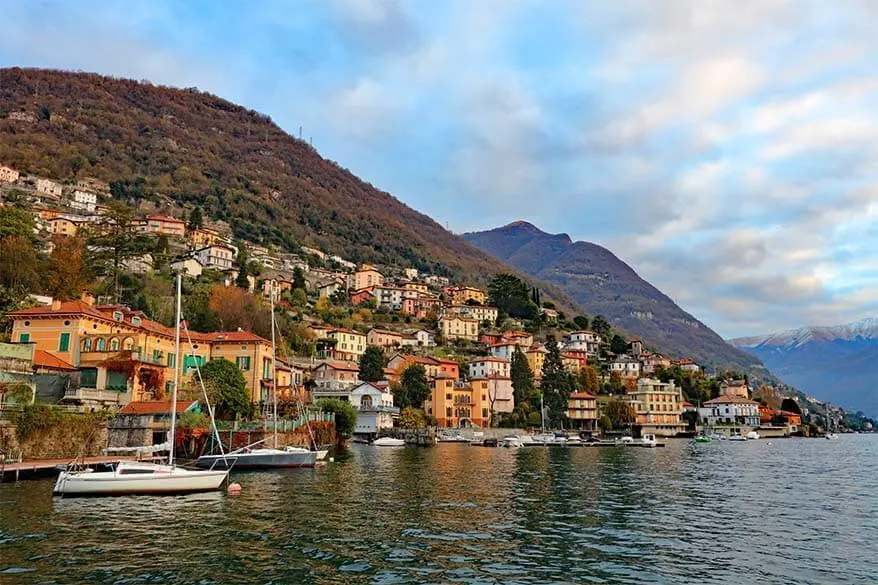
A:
{"points": [[377, 408], [94, 394], [283, 425]]}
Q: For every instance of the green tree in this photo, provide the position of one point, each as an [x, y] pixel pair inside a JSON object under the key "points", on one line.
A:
{"points": [[299, 278], [226, 389], [241, 281], [411, 418], [16, 221], [588, 380], [413, 388], [18, 263], [557, 384], [620, 413], [618, 345], [299, 298], [600, 326], [345, 415], [372, 364], [196, 220], [115, 241], [522, 377], [581, 321], [616, 383], [512, 296], [605, 423]]}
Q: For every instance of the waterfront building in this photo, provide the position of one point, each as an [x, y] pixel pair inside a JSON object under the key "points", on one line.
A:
{"points": [[658, 407], [374, 406], [121, 356], [582, 410], [334, 379], [459, 404], [730, 410]]}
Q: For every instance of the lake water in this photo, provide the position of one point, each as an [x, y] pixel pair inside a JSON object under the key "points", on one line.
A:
{"points": [[780, 511]]}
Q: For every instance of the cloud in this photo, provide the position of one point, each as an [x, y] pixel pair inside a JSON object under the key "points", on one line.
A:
{"points": [[724, 148]]}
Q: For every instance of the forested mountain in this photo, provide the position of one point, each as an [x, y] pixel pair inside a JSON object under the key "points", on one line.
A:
{"points": [[604, 285], [196, 149], [839, 364]]}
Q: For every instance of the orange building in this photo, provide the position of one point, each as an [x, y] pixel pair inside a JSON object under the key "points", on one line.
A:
{"points": [[459, 405], [124, 357]]}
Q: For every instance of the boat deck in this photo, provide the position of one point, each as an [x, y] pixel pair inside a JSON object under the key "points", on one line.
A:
{"points": [[40, 467]]}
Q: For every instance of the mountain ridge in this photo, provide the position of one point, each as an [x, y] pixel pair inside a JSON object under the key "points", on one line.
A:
{"points": [[181, 148], [604, 284], [835, 363]]}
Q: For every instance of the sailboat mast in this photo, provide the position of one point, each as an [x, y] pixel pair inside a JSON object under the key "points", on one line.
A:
{"points": [[177, 361], [542, 414], [273, 367]]}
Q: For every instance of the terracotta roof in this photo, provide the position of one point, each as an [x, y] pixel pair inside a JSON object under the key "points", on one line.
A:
{"points": [[581, 395], [730, 400], [165, 218], [502, 343], [233, 336], [156, 407], [489, 359], [582, 331], [386, 332], [43, 359], [346, 366], [66, 308]]}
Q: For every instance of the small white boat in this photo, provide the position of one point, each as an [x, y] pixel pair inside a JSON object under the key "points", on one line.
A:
{"points": [[718, 437], [626, 440], [737, 437], [321, 454], [289, 457], [574, 442], [388, 442], [830, 436], [752, 436], [131, 477], [511, 442], [648, 440]]}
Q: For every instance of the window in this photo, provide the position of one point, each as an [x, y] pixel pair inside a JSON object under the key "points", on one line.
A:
{"points": [[135, 321], [117, 316], [24, 338], [86, 344], [448, 412], [172, 360], [266, 368], [114, 344], [64, 342], [100, 344], [156, 355], [243, 363]]}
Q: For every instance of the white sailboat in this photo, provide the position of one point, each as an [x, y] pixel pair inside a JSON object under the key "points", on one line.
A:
{"points": [[142, 477], [264, 457]]}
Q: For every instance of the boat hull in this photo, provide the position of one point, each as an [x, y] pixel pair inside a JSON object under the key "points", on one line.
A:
{"points": [[111, 483], [288, 460]]}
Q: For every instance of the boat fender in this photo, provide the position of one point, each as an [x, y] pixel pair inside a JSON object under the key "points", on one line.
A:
{"points": [[234, 489], [332, 459]]}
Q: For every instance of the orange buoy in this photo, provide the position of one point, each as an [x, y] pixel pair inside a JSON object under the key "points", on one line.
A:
{"points": [[234, 488]]}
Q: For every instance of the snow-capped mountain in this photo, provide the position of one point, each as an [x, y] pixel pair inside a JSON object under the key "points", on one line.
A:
{"points": [[864, 330], [839, 363]]}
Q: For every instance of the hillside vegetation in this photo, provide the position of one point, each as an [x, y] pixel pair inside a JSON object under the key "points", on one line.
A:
{"points": [[195, 149]]}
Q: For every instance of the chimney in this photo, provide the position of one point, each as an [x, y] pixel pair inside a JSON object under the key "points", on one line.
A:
{"points": [[87, 297]]}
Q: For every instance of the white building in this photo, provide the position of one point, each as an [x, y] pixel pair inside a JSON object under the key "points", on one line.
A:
{"points": [[188, 267], [49, 187], [585, 340], [502, 350], [418, 338], [628, 367], [216, 257], [730, 410], [390, 297], [478, 312], [85, 200], [410, 273], [374, 406], [488, 367], [8, 175]]}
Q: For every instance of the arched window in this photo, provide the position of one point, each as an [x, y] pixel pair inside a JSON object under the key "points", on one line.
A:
{"points": [[114, 344], [128, 343], [86, 344], [100, 344], [366, 401]]}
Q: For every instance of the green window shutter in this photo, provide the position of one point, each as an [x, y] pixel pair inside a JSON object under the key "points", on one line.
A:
{"points": [[117, 381], [24, 338], [172, 361], [64, 342]]}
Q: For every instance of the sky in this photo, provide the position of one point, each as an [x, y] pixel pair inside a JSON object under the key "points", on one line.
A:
{"points": [[726, 150]]}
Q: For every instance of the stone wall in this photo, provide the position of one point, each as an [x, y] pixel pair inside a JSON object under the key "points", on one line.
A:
{"points": [[69, 438]]}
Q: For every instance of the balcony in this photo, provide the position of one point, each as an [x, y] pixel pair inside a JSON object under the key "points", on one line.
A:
{"points": [[378, 408], [95, 395]]}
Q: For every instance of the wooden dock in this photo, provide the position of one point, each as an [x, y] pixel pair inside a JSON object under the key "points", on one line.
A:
{"points": [[42, 466]]}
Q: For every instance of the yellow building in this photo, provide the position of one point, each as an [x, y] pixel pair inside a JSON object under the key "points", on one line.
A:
{"points": [[458, 404], [124, 357], [367, 276], [460, 295], [536, 356], [349, 344], [203, 237], [457, 327], [582, 410], [659, 407], [418, 286], [62, 226]]}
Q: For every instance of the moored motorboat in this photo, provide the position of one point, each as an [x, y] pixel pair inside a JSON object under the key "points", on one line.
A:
{"points": [[752, 436], [737, 437], [388, 442], [648, 440], [831, 436], [511, 442], [702, 439]]}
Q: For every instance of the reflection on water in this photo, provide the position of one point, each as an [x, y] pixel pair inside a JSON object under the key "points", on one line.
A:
{"points": [[802, 511]]}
